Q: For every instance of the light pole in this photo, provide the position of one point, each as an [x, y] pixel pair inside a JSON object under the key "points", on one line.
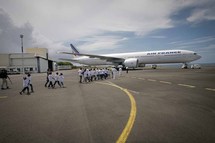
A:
{"points": [[21, 36]]}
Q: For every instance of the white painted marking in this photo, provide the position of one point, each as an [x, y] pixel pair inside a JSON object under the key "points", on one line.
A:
{"points": [[1, 97], [133, 77], [186, 85], [153, 80], [210, 89], [166, 82], [134, 91]]}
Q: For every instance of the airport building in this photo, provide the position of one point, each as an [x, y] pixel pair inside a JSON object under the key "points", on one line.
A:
{"points": [[35, 60]]}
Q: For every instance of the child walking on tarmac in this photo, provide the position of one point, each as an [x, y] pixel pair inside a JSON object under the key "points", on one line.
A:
{"points": [[30, 82], [61, 79], [25, 86], [51, 79], [56, 77]]}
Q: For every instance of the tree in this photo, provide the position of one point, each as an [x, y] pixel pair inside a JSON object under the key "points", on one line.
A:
{"points": [[64, 63]]}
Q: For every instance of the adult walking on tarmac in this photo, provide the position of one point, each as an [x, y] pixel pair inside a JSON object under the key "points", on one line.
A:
{"points": [[4, 76], [47, 77]]}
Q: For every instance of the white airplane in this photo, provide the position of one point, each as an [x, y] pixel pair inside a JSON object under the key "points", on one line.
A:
{"points": [[134, 59]]}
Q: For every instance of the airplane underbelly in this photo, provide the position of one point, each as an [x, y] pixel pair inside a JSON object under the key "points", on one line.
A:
{"points": [[164, 59]]}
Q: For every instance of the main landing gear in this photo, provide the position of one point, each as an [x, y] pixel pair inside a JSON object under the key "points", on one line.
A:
{"points": [[184, 66]]}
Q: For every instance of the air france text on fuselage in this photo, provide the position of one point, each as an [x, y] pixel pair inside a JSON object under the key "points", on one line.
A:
{"points": [[164, 53]]}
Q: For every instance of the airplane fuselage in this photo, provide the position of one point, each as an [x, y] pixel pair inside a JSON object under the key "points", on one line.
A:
{"points": [[149, 57]]}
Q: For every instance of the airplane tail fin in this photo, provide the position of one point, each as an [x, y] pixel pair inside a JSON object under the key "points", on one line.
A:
{"points": [[75, 51]]}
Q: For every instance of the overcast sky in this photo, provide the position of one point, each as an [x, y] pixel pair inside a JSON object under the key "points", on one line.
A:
{"points": [[109, 26]]}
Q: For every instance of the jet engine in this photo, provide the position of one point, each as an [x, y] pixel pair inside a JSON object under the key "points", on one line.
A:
{"points": [[131, 63], [141, 65]]}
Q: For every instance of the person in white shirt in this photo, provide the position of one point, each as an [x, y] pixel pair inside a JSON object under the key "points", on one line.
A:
{"points": [[92, 73], [30, 82], [114, 71], [96, 74], [86, 77], [56, 79], [51, 79], [61, 79], [120, 71], [25, 86], [80, 73]]}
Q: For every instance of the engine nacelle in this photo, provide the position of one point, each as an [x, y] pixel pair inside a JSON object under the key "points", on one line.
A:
{"points": [[141, 65], [131, 63]]}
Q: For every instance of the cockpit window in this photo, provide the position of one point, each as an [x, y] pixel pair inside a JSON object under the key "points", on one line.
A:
{"points": [[195, 54]]}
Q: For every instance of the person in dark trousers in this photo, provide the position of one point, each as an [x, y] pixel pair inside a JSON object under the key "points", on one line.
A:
{"points": [[51, 79], [25, 86], [80, 73], [61, 79], [56, 79], [4, 77], [30, 82], [126, 69], [47, 79]]}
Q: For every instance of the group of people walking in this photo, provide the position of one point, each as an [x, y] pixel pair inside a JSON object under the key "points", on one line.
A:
{"points": [[27, 84], [89, 75], [85, 76], [52, 80]]}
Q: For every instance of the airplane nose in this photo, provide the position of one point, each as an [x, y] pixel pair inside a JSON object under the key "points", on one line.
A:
{"points": [[198, 57]]}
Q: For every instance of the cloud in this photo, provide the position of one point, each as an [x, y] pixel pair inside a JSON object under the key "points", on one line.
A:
{"points": [[201, 40], [10, 34], [96, 43], [158, 37], [11, 42], [63, 20], [199, 15], [52, 23], [53, 47], [205, 11]]}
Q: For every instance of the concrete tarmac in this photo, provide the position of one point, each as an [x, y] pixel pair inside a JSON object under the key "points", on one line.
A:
{"points": [[172, 105]]}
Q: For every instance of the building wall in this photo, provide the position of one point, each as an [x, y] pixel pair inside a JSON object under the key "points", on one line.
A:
{"points": [[4, 60], [43, 65], [13, 62], [26, 62], [42, 52]]}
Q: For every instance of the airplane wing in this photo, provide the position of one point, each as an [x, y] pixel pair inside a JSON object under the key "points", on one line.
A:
{"points": [[109, 59], [71, 60]]}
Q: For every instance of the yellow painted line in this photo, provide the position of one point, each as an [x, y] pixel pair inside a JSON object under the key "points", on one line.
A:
{"points": [[186, 85], [152, 80], [211, 89], [166, 82], [126, 131], [2, 97]]}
